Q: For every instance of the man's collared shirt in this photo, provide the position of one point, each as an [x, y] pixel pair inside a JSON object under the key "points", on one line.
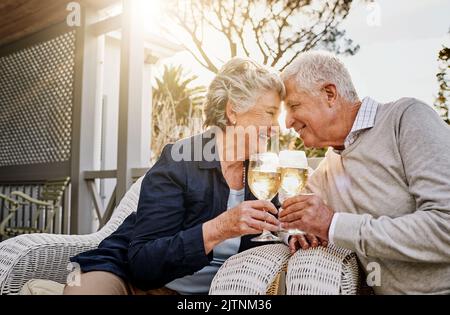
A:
{"points": [[364, 121]]}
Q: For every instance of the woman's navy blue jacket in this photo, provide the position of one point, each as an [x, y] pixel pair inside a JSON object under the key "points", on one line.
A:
{"points": [[163, 241]]}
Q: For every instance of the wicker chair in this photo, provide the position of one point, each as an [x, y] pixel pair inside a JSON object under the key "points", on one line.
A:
{"points": [[45, 256], [49, 202], [271, 270], [323, 271], [258, 271]]}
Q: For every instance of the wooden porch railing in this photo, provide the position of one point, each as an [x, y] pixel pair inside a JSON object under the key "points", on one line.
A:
{"points": [[23, 215], [104, 214]]}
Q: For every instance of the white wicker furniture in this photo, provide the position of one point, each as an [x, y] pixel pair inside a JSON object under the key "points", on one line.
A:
{"points": [[45, 256], [319, 271], [323, 271], [49, 203], [252, 272]]}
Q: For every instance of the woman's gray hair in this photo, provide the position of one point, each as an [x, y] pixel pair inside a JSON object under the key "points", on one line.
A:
{"points": [[312, 69], [241, 82]]}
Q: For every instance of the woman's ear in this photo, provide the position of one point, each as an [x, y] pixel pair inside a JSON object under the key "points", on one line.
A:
{"points": [[231, 114], [331, 91]]}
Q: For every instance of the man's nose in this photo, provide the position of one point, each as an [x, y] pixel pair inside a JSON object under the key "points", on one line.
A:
{"points": [[289, 121]]}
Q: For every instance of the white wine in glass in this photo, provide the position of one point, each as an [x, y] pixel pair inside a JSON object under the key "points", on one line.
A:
{"points": [[264, 182], [294, 177]]}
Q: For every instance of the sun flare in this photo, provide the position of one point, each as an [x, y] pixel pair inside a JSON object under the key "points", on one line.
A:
{"points": [[151, 11]]}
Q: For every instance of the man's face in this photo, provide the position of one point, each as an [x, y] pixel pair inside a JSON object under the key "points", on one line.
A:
{"points": [[310, 115]]}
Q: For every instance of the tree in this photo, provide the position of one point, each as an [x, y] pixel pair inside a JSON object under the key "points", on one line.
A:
{"points": [[177, 107], [290, 141], [273, 32], [442, 103], [176, 84]]}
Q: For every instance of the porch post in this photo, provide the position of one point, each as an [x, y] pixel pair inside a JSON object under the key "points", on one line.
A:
{"points": [[131, 94], [83, 128]]}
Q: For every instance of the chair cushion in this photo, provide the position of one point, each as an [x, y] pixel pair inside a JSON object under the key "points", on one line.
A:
{"points": [[42, 287]]}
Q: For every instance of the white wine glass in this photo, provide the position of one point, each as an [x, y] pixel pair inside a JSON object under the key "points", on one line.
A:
{"points": [[264, 182], [294, 177]]}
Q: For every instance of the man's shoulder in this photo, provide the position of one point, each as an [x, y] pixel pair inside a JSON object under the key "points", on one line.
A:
{"points": [[400, 106], [392, 113]]}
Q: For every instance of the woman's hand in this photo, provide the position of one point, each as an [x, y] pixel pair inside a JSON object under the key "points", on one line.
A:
{"points": [[248, 218], [305, 242]]}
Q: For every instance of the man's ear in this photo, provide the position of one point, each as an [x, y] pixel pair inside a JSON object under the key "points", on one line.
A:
{"points": [[231, 114], [331, 91]]}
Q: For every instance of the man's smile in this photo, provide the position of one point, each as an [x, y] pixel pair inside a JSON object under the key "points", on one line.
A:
{"points": [[300, 129]]}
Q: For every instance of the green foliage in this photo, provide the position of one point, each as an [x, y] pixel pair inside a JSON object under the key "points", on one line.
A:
{"points": [[442, 103], [290, 141], [176, 85], [177, 108]]}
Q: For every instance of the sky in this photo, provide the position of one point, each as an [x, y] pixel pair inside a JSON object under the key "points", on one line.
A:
{"points": [[398, 58], [400, 41]]}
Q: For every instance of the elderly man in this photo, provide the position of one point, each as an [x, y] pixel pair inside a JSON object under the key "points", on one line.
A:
{"points": [[383, 189]]}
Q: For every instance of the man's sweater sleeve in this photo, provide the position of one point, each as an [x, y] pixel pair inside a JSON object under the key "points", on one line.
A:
{"points": [[423, 236]]}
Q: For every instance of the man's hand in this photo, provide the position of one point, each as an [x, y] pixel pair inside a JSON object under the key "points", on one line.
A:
{"points": [[305, 242], [307, 213]]}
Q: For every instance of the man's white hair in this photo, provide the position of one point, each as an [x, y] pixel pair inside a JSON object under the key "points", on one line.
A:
{"points": [[312, 69]]}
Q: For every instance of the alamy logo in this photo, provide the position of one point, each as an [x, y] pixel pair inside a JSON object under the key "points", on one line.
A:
{"points": [[238, 140], [74, 17], [373, 274]]}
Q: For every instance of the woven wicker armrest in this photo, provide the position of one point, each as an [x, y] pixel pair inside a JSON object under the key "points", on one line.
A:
{"points": [[253, 272], [323, 271], [39, 256]]}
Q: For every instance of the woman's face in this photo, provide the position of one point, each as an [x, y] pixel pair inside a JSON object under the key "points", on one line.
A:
{"points": [[259, 123]]}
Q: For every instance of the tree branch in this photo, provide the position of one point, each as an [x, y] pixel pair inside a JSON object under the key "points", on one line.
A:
{"points": [[256, 30], [207, 62], [266, 25], [313, 39], [284, 23], [240, 31], [226, 30]]}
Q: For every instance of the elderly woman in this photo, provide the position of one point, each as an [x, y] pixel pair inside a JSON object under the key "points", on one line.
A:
{"points": [[193, 213]]}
